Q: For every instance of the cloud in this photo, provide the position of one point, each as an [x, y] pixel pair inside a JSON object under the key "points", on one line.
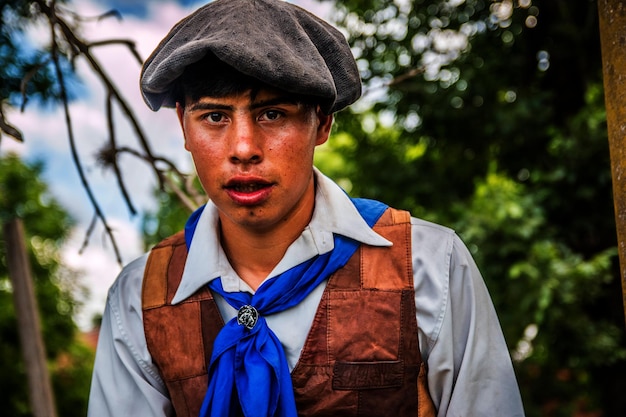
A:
{"points": [[97, 266], [46, 137]]}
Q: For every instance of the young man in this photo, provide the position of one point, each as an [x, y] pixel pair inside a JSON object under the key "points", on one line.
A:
{"points": [[284, 296]]}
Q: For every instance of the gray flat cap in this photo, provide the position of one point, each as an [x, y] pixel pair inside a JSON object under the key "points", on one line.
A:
{"points": [[273, 41]]}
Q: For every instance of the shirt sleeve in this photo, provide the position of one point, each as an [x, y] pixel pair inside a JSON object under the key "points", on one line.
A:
{"points": [[125, 382], [469, 367]]}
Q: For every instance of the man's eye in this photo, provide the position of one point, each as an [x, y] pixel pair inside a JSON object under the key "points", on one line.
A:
{"points": [[214, 117], [272, 115]]}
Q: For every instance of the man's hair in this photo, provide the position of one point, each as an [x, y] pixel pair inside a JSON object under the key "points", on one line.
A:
{"points": [[210, 77]]}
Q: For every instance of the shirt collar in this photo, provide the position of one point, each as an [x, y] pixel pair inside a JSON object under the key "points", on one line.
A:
{"points": [[334, 213]]}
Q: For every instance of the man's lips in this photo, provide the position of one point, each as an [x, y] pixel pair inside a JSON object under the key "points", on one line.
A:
{"points": [[248, 191]]}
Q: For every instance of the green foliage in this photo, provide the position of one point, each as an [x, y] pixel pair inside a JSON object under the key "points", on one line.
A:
{"points": [[502, 135], [169, 218], [19, 62], [23, 194], [544, 293]]}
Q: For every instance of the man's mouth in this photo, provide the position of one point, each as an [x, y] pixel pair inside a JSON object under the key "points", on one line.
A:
{"points": [[247, 187], [249, 192]]}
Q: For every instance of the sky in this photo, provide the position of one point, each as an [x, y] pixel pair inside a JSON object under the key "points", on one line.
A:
{"points": [[46, 139]]}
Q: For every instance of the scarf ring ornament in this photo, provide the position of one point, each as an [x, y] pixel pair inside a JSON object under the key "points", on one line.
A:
{"points": [[248, 372]]}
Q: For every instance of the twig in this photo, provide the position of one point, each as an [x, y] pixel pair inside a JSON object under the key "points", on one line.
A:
{"points": [[26, 79], [9, 129], [64, 25], [130, 44], [188, 196], [113, 162], [75, 157], [92, 225]]}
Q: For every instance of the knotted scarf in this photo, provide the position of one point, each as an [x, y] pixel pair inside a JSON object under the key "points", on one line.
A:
{"points": [[248, 369]]}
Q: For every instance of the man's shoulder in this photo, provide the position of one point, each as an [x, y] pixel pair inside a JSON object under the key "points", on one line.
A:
{"points": [[418, 224], [131, 275], [433, 240], [173, 240]]}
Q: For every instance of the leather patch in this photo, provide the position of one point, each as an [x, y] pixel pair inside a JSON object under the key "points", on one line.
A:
{"points": [[367, 375], [177, 357], [364, 318], [154, 289], [389, 268]]}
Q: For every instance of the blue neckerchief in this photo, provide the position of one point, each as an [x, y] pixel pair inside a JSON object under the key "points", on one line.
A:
{"points": [[248, 367]]}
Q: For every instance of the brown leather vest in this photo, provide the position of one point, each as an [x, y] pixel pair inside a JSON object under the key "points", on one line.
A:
{"points": [[361, 357]]}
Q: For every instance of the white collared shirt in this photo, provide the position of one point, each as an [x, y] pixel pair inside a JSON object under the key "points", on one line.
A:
{"points": [[470, 371]]}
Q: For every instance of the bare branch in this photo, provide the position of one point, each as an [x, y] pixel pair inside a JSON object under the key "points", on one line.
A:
{"points": [[113, 161], [9, 129], [188, 195], [75, 157], [407, 75], [130, 44], [188, 202], [64, 26], [83, 48], [395, 81], [111, 13], [90, 229]]}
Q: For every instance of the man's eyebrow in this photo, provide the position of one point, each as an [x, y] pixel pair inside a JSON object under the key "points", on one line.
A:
{"points": [[206, 105], [273, 101]]}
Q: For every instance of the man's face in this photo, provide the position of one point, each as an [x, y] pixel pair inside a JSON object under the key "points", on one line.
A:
{"points": [[254, 156]]}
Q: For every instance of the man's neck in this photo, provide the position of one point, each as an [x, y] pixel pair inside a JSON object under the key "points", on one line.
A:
{"points": [[253, 258], [253, 254]]}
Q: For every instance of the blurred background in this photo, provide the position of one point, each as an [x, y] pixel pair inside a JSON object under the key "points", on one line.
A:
{"points": [[486, 116]]}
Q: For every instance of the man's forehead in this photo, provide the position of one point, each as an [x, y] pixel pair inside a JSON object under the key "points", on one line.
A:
{"points": [[249, 98], [252, 96]]}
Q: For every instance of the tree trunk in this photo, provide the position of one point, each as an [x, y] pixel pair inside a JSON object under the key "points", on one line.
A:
{"points": [[29, 327], [612, 15]]}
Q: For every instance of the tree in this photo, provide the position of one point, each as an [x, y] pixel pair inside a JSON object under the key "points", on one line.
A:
{"points": [[488, 116], [44, 74], [22, 193], [485, 115]]}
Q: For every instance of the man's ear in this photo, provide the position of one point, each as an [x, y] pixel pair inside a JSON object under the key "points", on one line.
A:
{"points": [[324, 127], [180, 112]]}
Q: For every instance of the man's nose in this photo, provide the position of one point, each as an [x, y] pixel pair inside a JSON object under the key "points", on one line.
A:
{"points": [[245, 143]]}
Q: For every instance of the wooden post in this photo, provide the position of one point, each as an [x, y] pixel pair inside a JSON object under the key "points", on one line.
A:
{"points": [[27, 312], [612, 15]]}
